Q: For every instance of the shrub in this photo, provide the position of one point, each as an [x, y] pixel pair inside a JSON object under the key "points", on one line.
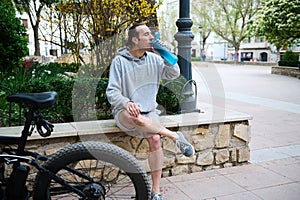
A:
{"points": [[79, 98], [289, 63], [169, 95], [290, 59], [291, 56]]}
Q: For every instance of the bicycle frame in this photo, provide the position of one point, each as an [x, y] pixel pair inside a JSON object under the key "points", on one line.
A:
{"points": [[53, 178], [16, 156]]}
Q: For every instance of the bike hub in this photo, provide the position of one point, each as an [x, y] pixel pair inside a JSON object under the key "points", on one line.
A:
{"points": [[94, 191]]}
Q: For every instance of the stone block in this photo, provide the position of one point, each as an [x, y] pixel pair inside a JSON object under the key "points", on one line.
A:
{"points": [[169, 145], [227, 165], [223, 136], [180, 169], [145, 164], [233, 155], [51, 151], [196, 168], [242, 131], [205, 158], [216, 167], [200, 130], [237, 142], [243, 154], [125, 146], [202, 142], [181, 159], [166, 173], [169, 161], [140, 148], [221, 156], [209, 167], [135, 141]]}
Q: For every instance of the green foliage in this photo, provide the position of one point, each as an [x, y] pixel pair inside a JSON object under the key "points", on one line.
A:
{"points": [[80, 98], [196, 59], [101, 24], [37, 79], [228, 18], [290, 59], [34, 8], [278, 21], [13, 42], [169, 95], [289, 63], [290, 55]]}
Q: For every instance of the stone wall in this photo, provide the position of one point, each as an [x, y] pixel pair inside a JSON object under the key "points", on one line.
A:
{"points": [[216, 146], [286, 71], [218, 142]]}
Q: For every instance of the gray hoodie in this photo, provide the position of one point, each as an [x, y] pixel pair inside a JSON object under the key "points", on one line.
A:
{"points": [[137, 80]]}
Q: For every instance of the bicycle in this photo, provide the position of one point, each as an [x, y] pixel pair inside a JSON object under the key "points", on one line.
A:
{"points": [[84, 170]]}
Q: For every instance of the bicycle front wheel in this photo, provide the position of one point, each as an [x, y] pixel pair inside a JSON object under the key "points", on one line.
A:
{"points": [[95, 170]]}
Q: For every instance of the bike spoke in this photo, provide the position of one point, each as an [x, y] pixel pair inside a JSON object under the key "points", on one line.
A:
{"points": [[116, 183]]}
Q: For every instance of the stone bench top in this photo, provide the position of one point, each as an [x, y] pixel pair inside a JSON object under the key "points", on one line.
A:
{"points": [[209, 115]]}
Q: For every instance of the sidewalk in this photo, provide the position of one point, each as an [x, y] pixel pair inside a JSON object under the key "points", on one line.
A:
{"points": [[274, 169], [276, 179]]}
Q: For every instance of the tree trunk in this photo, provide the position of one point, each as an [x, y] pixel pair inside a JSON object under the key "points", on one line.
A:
{"points": [[236, 55], [278, 54], [37, 51]]}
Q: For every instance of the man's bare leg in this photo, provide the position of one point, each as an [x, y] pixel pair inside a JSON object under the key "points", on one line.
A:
{"points": [[145, 125], [151, 127], [155, 162]]}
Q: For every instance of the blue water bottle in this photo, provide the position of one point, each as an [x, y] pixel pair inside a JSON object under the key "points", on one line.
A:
{"points": [[163, 51]]}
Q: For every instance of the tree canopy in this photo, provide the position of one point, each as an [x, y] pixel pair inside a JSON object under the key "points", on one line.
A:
{"points": [[228, 18], [278, 21], [100, 25], [13, 41], [33, 8]]}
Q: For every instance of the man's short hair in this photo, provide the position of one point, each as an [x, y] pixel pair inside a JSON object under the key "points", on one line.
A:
{"points": [[133, 33]]}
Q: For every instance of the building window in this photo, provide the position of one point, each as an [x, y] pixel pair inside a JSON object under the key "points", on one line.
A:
{"points": [[25, 22], [246, 56]]}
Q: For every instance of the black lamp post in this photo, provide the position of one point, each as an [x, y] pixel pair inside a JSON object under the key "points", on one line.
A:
{"points": [[184, 37]]}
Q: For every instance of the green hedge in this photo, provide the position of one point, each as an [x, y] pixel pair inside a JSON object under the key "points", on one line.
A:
{"points": [[79, 98], [290, 59], [289, 63]]}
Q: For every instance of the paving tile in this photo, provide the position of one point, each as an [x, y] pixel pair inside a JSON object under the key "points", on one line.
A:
{"points": [[275, 153], [240, 196], [171, 191], [247, 168], [193, 176], [209, 187], [286, 161], [291, 150], [286, 191], [289, 168], [264, 155], [255, 177], [258, 142]]}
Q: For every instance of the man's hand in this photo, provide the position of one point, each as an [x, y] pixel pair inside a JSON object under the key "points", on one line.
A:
{"points": [[161, 43], [133, 109]]}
